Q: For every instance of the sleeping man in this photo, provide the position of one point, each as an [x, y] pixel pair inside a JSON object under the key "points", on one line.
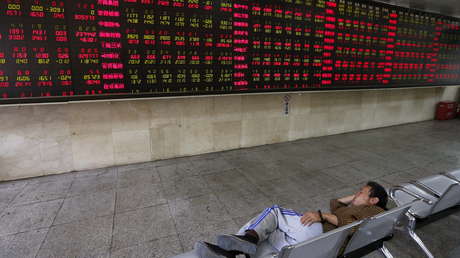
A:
{"points": [[282, 227]]}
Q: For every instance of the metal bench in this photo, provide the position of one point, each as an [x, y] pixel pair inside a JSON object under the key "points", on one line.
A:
{"points": [[326, 245], [369, 237], [374, 231], [437, 193], [454, 175]]}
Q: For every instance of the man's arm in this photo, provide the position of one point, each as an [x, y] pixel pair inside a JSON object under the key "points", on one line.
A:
{"points": [[347, 199], [311, 217], [331, 218], [339, 203]]}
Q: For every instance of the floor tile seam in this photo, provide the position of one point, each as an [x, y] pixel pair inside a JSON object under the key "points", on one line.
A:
{"points": [[208, 227], [172, 164], [261, 191], [70, 195], [330, 165], [137, 173], [366, 161], [135, 185], [139, 208], [34, 203], [116, 175], [171, 201], [254, 179], [397, 171], [12, 200], [111, 185], [51, 179], [134, 164], [81, 220], [105, 172], [113, 223], [175, 177], [138, 185], [82, 174], [173, 218], [216, 171], [207, 191], [31, 183], [63, 194], [23, 231], [145, 242], [342, 180], [49, 228], [224, 207]]}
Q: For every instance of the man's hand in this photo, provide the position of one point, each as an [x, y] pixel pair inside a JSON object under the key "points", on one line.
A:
{"points": [[309, 218], [347, 199]]}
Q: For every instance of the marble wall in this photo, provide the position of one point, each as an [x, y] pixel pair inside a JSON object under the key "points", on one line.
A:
{"points": [[47, 139]]}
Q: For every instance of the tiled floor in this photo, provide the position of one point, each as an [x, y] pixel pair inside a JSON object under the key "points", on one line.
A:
{"points": [[159, 209]]}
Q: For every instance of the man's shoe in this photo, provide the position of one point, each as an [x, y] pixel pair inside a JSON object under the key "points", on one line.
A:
{"points": [[207, 250], [244, 244]]}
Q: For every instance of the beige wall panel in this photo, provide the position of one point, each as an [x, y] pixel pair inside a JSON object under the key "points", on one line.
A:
{"points": [[298, 127], [226, 135], [166, 111], [165, 141], [253, 132], [90, 118], [46, 139], [277, 130], [130, 115], [131, 146], [227, 108], [20, 156], [56, 154], [368, 107], [262, 106], [450, 93], [317, 124], [92, 150], [196, 136], [300, 104]]}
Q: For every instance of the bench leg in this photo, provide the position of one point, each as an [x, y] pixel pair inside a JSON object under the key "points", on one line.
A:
{"points": [[384, 250], [416, 238]]}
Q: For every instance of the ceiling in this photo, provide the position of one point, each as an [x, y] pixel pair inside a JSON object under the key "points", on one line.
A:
{"points": [[445, 7]]}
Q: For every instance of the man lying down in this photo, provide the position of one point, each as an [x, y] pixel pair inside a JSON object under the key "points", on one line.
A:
{"points": [[282, 227]]}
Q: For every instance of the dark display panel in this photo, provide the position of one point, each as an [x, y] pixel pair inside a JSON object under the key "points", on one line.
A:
{"points": [[60, 50]]}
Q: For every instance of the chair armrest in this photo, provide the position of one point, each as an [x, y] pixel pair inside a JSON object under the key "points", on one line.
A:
{"points": [[402, 189], [426, 189], [451, 177]]}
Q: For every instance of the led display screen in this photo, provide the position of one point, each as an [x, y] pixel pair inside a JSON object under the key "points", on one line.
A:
{"points": [[61, 50]]}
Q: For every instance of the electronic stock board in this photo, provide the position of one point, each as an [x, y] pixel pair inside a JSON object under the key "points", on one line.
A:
{"points": [[64, 50]]}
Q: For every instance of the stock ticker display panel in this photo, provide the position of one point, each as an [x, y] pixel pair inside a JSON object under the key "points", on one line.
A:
{"points": [[53, 50]]}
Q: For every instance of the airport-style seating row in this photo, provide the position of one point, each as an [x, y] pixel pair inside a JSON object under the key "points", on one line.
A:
{"points": [[438, 193], [415, 201], [370, 235]]}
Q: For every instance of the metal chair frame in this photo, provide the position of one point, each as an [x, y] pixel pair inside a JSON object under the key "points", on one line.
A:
{"points": [[340, 235], [367, 233], [412, 215]]}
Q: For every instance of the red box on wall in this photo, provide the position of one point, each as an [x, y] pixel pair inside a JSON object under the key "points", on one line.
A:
{"points": [[446, 110]]}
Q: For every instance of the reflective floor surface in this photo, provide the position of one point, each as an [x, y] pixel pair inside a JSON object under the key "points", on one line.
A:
{"points": [[159, 209]]}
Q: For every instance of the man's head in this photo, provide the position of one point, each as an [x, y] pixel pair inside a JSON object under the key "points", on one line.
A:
{"points": [[371, 194]]}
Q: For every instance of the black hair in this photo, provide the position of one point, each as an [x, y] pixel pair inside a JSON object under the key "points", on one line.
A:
{"points": [[378, 191]]}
